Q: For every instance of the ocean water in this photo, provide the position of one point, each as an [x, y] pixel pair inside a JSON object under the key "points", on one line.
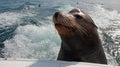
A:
{"points": [[27, 31]]}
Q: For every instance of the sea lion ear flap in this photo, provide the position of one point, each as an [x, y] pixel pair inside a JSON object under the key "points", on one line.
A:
{"points": [[94, 24], [90, 20]]}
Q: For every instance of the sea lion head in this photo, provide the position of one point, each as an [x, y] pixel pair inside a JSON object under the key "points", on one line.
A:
{"points": [[75, 22]]}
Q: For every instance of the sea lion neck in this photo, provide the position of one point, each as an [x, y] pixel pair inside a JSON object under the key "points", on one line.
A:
{"points": [[77, 42], [73, 42]]}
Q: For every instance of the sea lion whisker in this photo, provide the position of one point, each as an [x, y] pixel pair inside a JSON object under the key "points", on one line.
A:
{"points": [[70, 23], [67, 20], [64, 20], [83, 31], [81, 28]]}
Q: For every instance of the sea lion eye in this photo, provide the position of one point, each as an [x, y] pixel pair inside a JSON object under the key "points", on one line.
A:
{"points": [[78, 16]]}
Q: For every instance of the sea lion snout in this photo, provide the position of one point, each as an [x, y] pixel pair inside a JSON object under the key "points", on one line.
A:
{"points": [[59, 15], [56, 14], [61, 18]]}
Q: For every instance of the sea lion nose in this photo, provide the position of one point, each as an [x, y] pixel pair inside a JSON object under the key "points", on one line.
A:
{"points": [[56, 14]]}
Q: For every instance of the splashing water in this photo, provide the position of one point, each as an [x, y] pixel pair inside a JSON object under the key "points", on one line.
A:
{"points": [[33, 42], [108, 22]]}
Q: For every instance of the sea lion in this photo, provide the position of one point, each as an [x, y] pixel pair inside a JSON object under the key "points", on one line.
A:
{"points": [[80, 39]]}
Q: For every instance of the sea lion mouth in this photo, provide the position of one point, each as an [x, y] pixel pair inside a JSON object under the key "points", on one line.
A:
{"points": [[61, 25]]}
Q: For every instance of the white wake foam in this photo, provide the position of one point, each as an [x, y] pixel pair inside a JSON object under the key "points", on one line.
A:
{"points": [[33, 42], [103, 17], [11, 18]]}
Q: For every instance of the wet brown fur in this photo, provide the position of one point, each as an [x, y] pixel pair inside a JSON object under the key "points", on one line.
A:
{"points": [[80, 39]]}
